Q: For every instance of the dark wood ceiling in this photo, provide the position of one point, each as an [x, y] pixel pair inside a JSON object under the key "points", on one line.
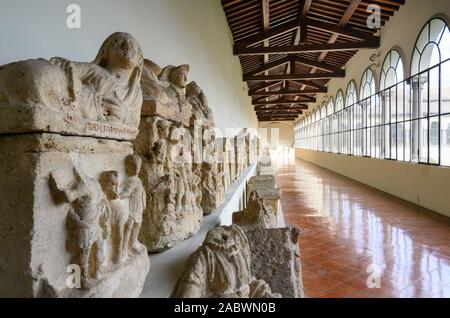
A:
{"points": [[290, 49]]}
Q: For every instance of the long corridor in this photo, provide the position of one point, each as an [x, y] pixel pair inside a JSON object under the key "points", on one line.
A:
{"points": [[354, 236]]}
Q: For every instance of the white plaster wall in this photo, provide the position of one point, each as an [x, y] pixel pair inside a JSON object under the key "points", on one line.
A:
{"points": [[400, 33], [170, 32], [277, 133]]}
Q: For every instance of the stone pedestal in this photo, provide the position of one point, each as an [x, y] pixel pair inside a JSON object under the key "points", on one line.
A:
{"points": [[47, 180], [276, 259], [266, 187]]}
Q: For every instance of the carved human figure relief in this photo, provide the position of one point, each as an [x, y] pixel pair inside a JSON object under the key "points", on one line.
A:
{"points": [[59, 93], [87, 222], [221, 268], [120, 211], [133, 190], [200, 108]]}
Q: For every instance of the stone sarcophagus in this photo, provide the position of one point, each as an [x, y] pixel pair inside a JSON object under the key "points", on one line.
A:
{"points": [[72, 200], [100, 99], [174, 191], [175, 135], [221, 268]]}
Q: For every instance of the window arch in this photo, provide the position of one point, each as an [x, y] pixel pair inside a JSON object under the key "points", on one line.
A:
{"points": [[368, 87], [323, 111], [351, 95], [432, 46], [339, 100], [330, 106], [392, 71]]}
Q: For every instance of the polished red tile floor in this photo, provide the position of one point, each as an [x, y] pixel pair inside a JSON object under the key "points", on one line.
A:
{"points": [[353, 235]]}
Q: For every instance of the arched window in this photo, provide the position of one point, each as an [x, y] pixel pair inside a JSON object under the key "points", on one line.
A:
{"points": [[351, 96], [367, 87], [392, 71], [339, 101], [432, 46], [330, 106], [323, 111]]}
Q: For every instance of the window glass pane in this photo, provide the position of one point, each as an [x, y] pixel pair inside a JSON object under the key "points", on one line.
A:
{"points": [[393, 133], [415, 141], [445, 140], [407, 141], [434, 140], [400, 138], [423, 140], [423, 92], [423, 38], [445, 45], [408, 101], [400, 102], [445, 87], [434, 91]]}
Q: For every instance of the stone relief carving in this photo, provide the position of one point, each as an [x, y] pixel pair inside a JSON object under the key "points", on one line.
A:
{"points": [[221, 268], [200, 109], [164, 92], [102, 217], [102, 98], [173, 211]]}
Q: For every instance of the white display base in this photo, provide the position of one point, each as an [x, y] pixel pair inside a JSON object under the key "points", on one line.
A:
{"points": [[168, 266]]}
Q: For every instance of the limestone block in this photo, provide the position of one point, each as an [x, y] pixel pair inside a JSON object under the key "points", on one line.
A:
{"points": [[266, 187], [221, 268], [100, 99], [174, 190], [71, 205], [276, 259], [257, 214]]}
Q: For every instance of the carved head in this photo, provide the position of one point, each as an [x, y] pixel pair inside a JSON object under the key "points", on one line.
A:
{"points": [[228, 239], [110, 184], [178, 76], [193, 89], [133, 165], [120, 50], [163, 128]]}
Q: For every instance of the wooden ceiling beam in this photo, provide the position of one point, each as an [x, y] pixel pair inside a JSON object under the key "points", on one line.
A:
{"points": [[264, 86], [263, 36], [291, 77], [282, 101], [266, 24], [308, 84], [313, 63], [306, 6], [290, 92], [339, 30], [269, 66], [309, 48]]}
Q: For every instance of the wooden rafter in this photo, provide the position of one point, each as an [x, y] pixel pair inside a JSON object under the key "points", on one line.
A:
{"points": [[277, 43], [293, 77], [282, 101], [287, 92], [310, 48]]}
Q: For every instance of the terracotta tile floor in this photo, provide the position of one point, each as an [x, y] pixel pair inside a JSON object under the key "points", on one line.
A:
{"points": [[347, 226]]}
